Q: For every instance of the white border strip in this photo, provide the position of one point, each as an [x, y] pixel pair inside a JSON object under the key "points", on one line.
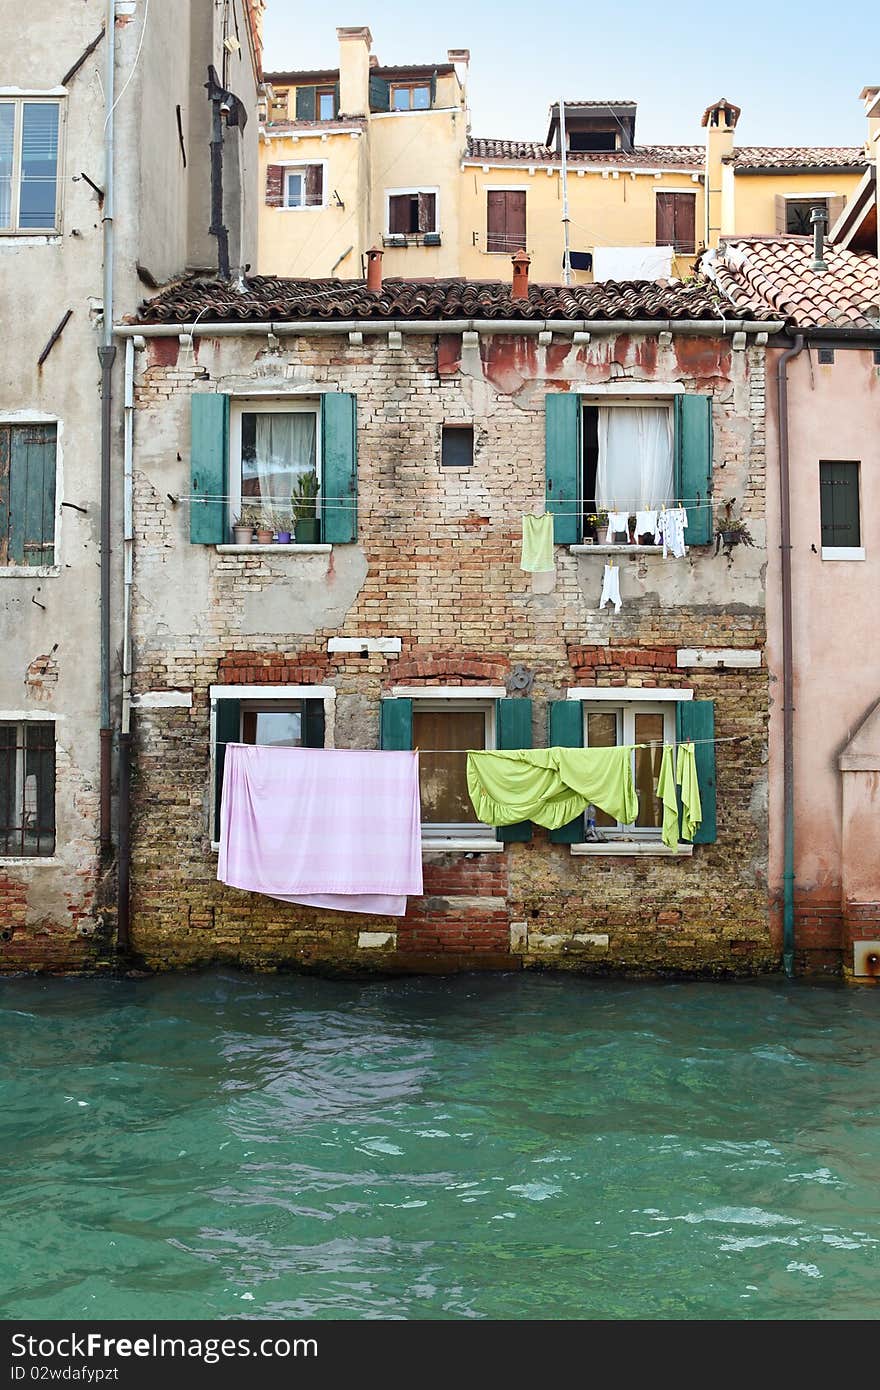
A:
{"points": [[448, 692], [272, 692], [625, 692]]}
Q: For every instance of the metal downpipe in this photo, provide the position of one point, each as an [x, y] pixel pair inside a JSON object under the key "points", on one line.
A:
{"points": [[106, 355], [787, 660]]}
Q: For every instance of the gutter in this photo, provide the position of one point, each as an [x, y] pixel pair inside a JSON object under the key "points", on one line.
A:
{"points": [[123, 897], [713, 328], [106, 356], [787, 660]]}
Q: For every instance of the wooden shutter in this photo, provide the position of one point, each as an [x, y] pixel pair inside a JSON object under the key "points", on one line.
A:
{"points": [[209, 469], [513, 729], [562, 465], [693, 464], [274, 186], [380, 94], [27, 516], [434, 87], [227, 729], [781, 217], [695, 719], [839, 503], [395, 726], [835, 208], [306, 103], [338, 467], [496, 221], [314, 185], [566, 729], [313, 724], [515, 219], [505, 220], [5, 453], [665, 219], [398, 214], [685, 223], [335, 98], [427, 212]]}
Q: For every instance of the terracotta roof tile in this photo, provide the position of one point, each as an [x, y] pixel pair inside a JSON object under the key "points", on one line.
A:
{"points": [[642, 157], [267, 299], [759, 272], [825, 157]]}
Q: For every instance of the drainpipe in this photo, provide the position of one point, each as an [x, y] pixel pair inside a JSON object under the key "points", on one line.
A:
{"points": [[787, 661], [219, 102], [124, 871], [106, 356]]}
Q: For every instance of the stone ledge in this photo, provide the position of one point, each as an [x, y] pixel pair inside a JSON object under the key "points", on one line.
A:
{"points": [[291, 549], [632, 847], [616, 549], [462, 846]]}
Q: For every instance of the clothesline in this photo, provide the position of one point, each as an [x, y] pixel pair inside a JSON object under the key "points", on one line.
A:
{"points": [[463, 752], [346, 500]]}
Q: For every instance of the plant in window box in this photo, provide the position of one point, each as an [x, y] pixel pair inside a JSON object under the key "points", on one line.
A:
{"points": [[304, 505]]}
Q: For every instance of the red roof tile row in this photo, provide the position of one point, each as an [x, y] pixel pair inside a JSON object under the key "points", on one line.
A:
{"points": [[759, 157], [777, 272]]}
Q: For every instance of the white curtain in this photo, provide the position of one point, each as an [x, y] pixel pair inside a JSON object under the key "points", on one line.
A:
{"points": [[634, 472], [285, 449]]}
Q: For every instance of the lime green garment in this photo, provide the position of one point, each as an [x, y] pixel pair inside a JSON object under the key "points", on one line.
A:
{"points": [[551, 786], [537, 543], [666, 793], [686, 777]]}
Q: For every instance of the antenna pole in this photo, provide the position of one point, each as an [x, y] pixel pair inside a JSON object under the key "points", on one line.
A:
{"points": [[566, 254]]}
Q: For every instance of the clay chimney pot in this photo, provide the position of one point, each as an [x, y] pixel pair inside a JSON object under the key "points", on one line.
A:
{"points": [[521, 262], [374, 268]]}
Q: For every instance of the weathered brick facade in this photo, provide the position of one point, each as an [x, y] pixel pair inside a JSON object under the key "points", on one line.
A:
{"points": [[437, 565]]}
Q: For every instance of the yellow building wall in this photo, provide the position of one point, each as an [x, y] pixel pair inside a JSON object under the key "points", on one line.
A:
{"points": [[418, 150], [603, 211], [754, 197], [307, 242]]}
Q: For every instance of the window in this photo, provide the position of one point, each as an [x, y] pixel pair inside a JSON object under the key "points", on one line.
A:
{"points": [[29, 145], [275, 458], [410, 96], [412, 212], [505, 220], [244, 715], [27, 494], [797, 215], [606, 727], [676, 222], [583, 140], [27, 788], [304, 186], [840, 510], [627, 466], [443, 730], [326, 100], [457, 447]]}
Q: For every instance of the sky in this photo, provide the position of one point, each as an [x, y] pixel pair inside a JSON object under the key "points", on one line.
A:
{"points": [[795, 69]]}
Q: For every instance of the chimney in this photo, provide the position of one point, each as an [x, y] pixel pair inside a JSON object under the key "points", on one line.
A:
{"points": [[354, 71], [374, 268], [818, 217], [719, 121], [521, 262], [460, 57]]}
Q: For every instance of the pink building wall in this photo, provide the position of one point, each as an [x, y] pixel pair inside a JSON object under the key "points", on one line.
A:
{"points": [[834, 413]]}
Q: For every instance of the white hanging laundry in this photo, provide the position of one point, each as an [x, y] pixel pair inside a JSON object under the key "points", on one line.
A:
{"points": [[611, 587], [647, 524], [673, 521], [617, 521]]}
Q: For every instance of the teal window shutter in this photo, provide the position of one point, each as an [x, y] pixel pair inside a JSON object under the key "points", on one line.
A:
{"points": [[306, 103], [434, 87], [227, 729], [513, 729], [338, 467], [695, 719], [693, 464], [27, 494], [313, 724], [335, 98], [396, 723], [209, 469], [5, 452], [567, 731], [380, 94], [563, 465]]}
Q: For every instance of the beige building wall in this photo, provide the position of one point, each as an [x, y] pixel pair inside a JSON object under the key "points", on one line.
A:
{"points": [[754, 197]]}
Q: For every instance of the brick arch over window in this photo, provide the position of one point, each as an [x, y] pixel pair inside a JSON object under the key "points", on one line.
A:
{"points": [[454, 669]]}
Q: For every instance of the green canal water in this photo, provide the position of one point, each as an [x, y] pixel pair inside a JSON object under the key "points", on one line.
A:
{"points": [[228, 1146]]}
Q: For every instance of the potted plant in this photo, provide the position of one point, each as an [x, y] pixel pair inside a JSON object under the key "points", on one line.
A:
{"points": [[593, 525], [284, 528], [265, 527], [304, 505], [732, 531], [243, 530]]}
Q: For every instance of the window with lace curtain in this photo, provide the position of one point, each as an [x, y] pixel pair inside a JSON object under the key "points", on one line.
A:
{"points": [[30, 137]]}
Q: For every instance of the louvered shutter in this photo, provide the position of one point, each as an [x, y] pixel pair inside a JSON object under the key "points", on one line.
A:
{"points": [[515, 220], [338, 467], [513, 729], [695, 719], [227, 729], [665, 219], [306, 103], [209, 469], [380, 94], [274, 186], [398, 214], [779, 207], [566, 730], [685, 223], [314, 185], [5, 455], [563, 465], [427, 212], [434, 87], [835, 208], [693, 464], [395, 726], [496, 221], [29, 489]]}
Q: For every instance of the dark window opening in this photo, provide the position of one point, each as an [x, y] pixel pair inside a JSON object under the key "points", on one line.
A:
{"points": [[797, 215], [826, 356], [581, 140], [411, 214], [457, 449], [839, 504], [27, 788], [590, 452]]}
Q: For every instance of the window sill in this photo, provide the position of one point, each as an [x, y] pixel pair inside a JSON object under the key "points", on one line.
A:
{"points": [[401, 241], [843, 552], [27, 861], [462, 846], [29, 571], [273, 549], [633, 847], [304, 207], [8, 238], [616, 549]]}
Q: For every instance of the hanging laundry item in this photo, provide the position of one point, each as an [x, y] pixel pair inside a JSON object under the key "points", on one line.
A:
{"points": [[537, 543], [617, 521], [686, 777], [647, 525], [610, 587], [666, 793], [331, 828], [551, 786], [672, 522]]}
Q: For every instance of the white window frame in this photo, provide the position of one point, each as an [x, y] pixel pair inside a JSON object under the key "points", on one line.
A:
{"points": [[410, 87], [19, 722], [299, 166], [18, 99], [408, 192], [37, 417], [265, 405], [456, 834], [652, 399]]}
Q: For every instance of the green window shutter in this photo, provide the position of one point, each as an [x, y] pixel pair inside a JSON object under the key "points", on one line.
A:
{"points": [[227, 729], [396, 722], [306, 102], [5, 451], [839, 502], [513, 729], [335, 98], [695, 719], [693, 464], [27, 494], [209, 469], [567, 731], [563, 465], [434, 87], [338, 467], [380, 94], [313, 724]]}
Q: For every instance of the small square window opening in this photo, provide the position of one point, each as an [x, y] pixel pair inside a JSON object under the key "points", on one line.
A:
{"points": [[27, 788], [457, 449]]}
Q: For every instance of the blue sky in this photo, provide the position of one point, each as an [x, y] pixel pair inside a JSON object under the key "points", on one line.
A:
{"points": [[795, 69]]}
